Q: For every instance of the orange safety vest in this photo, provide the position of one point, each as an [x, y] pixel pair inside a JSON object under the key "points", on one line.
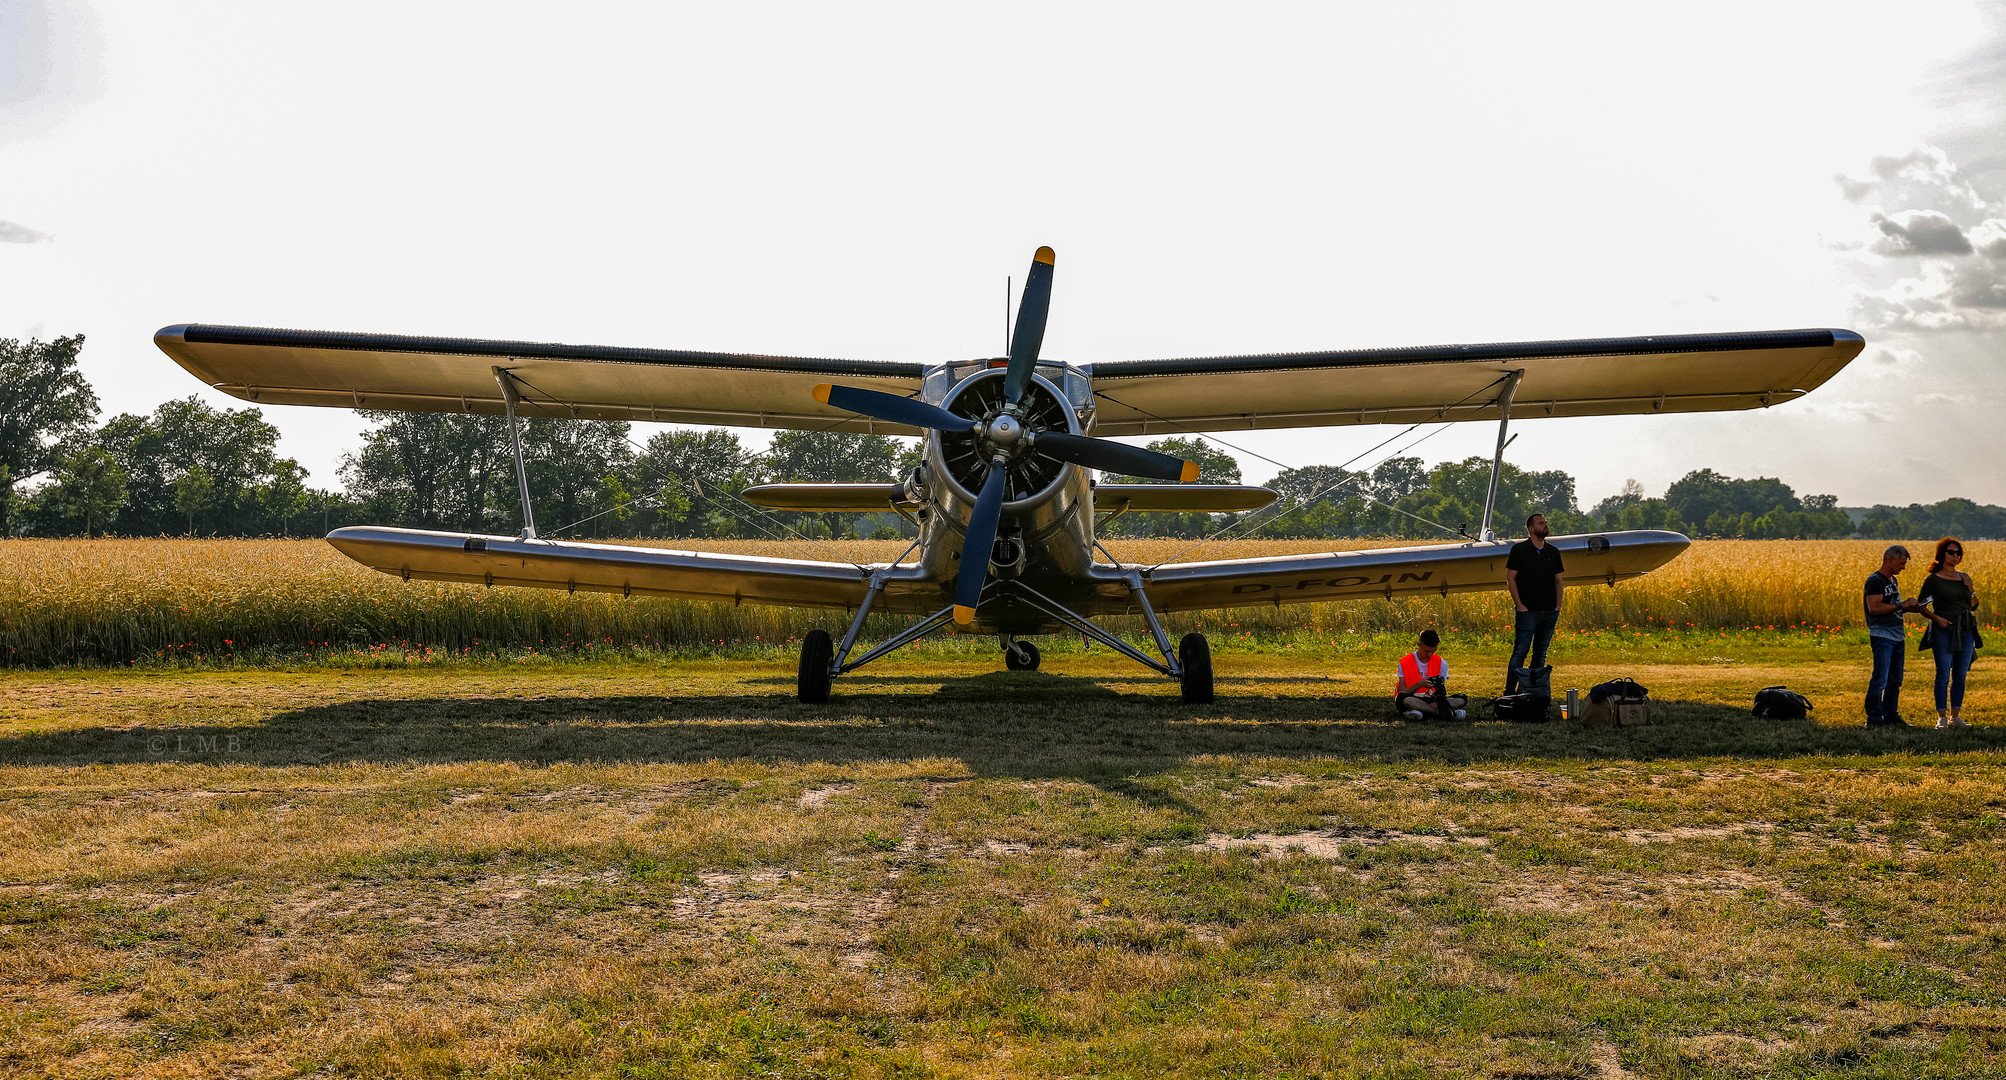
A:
{"points": [[1411, 673]]}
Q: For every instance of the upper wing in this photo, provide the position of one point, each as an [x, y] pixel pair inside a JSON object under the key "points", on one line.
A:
{"points": [[432, 374], [1595, 377], [1389, 572]]}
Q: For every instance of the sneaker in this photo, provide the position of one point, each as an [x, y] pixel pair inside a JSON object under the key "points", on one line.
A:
{"points": [[1958, 721], [1412, 714], [1942, 722], [1462, 715]]}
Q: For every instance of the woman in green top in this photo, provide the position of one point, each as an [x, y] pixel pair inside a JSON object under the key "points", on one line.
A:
{"points": [[1950, 592]]}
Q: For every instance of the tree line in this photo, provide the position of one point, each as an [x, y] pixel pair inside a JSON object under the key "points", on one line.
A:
{"points": [[189, 468]]}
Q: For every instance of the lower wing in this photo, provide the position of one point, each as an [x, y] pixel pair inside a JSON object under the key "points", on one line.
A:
{"points": [[1388, 572], [608, 568]]}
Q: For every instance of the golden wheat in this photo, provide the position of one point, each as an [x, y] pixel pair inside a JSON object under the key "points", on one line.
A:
{"points": [[67, 601]]}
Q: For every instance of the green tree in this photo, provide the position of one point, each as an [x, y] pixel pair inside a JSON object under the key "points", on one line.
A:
{"points": [[689, 483], [194, 492], [234, 449], [89, 486], [284, 497], [832, 457], [44, 402]]}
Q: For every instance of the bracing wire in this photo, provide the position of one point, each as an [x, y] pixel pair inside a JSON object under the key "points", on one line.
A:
{"points": [[697, 489], [1441, 417]]}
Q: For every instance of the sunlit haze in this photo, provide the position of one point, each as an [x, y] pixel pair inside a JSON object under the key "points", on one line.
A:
{"points": [[839, 180]]}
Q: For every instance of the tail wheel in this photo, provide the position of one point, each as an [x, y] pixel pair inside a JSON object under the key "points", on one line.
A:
{"points": [[812, 682], [1021, 656], [1194, 654]]}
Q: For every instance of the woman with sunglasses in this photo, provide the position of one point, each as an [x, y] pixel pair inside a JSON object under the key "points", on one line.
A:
{"points": [[1949, 590]]}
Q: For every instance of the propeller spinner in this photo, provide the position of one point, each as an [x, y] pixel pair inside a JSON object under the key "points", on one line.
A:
{"points": [[1007, 434]]}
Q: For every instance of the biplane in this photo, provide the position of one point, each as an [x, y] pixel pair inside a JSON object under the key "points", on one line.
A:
{"points": [[1005, 499]]}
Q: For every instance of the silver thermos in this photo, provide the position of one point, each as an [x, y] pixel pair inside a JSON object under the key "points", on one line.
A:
{"points": [[1573, 699]]}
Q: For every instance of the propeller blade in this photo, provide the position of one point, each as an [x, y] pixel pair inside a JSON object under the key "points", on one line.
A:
{"points": [[982, 522], [1029, 336], [1114, 457], [891, 408]]}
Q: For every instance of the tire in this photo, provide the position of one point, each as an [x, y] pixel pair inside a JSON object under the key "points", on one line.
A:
{"points": [[812, 681], [1030, 659], [1194, 653]]}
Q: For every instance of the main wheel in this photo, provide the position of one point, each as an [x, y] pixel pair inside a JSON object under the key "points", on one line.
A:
{"points": [[1021, 656], [812, 682], [1194, 653]]}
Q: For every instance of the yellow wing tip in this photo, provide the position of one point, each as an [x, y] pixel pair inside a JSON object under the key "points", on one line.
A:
{"points": [[964, 615], [1190, 472], [821, 392], [1045, 255]]}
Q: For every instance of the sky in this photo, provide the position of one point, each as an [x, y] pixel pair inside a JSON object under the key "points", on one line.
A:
{"points": [[858, 181]]}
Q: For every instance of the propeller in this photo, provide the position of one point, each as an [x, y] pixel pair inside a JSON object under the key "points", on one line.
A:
{"points": [[1005, 435]]}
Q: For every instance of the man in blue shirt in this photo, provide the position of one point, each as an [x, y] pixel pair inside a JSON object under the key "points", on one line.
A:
{"points": [[1887, 637]]}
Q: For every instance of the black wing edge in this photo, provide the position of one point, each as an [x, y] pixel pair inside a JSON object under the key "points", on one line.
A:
{"points": [[1748, 341], [205, 334]]}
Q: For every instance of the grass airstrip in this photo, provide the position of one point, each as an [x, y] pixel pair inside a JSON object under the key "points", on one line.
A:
{"points": [[633, 863]]}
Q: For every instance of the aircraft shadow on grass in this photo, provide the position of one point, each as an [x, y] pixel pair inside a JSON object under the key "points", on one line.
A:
{"points": [[1002, 723]]}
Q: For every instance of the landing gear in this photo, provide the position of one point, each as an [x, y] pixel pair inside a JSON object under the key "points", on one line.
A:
{"points": [[1020, 656], [812, 683], [1194, 656]]}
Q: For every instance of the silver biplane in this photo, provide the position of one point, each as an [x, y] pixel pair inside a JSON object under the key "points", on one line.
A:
{"points": [[1005, 499]]}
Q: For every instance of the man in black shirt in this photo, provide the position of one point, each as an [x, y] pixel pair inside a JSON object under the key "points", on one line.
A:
{"points": [[1534, 577]]}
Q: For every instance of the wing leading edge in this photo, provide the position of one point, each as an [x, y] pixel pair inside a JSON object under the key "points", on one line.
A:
{"points": [[1589, 377], [434, 374]]}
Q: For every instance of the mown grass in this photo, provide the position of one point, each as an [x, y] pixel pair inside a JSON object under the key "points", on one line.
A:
{"points": [[156, 601], [666, 867]]}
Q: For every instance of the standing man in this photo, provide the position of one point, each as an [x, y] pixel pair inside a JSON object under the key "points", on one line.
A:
{"points": [[1887, 637], [1533, 575]]}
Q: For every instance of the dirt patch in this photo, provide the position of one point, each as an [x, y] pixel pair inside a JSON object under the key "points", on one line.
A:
{"points": [[1696, 832], [1330, 843], [816, 798]]}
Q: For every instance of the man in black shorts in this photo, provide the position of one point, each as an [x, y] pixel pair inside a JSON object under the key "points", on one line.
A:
{"points": [[1534, 577]]}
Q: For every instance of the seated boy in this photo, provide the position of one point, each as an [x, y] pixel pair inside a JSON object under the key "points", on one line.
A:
{"points": [[1422, 690]]}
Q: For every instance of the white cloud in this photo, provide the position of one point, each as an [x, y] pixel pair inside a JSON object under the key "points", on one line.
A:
{"points": [[1919, 232], [1989, 238], [1936, 398], [1950, 239], [11, 233]]}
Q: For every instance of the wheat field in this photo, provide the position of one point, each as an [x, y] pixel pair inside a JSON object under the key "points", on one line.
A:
{"points": [[132, 600]]}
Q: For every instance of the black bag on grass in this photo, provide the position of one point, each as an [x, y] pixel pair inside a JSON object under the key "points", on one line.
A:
{"points": [[1537, 680], [1521, 708], [1781, 703], [1618, 688]]}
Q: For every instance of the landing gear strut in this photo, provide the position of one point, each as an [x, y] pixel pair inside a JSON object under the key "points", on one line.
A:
{"points": [[1020, 655]]}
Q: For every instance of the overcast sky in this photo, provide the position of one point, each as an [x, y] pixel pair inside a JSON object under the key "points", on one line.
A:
{"points": [[857, 180]]}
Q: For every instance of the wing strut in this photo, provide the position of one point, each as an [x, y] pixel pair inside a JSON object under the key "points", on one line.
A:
{"points": [[1497, 459], [507, 383]]}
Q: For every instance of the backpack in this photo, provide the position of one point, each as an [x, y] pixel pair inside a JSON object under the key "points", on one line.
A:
{"points": [[1520, 708], [1781, 703], [1537, 680]]}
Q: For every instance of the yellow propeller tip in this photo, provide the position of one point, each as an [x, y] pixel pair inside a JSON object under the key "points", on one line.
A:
{"points": [[1190, 472], [821, 392], [1045, 255], [964, 615]]}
